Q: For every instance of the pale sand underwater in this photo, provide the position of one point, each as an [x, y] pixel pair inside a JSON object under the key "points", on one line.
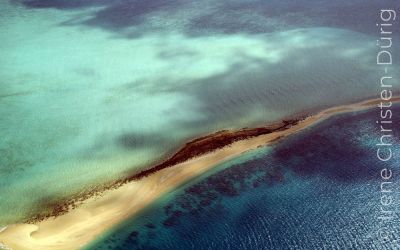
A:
{"points": [[82, 225]]}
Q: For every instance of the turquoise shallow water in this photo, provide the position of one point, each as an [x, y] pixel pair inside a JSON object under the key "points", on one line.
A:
{"points": [[94, 90], [319, 189]]}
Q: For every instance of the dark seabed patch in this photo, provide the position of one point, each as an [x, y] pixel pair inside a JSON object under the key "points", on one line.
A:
{"points": [[203, 18], [316, 189]]}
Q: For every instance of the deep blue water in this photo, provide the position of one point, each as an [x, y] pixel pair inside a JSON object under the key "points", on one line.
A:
{"points": [[319, 189]]}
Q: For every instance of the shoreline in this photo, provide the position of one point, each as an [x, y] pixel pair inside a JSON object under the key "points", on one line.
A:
{"points": [[192, 149], [103, 209]]}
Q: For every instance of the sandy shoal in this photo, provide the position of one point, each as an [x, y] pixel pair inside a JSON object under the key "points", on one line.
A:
{"points": [[82, 225]]}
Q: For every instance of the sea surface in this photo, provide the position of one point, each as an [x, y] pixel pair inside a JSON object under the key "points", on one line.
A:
{"points": [[319, 189], [95, 90]]}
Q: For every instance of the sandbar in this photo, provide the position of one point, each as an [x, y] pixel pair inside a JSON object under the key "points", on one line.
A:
{"points": [[78, 227]]}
